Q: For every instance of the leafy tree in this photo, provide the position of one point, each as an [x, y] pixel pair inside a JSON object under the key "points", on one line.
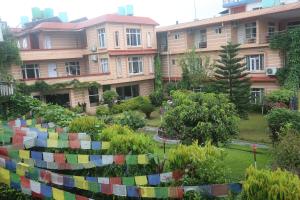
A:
{"points": [[282, 95], [109, 97], [156, 97], [195, 70], [231, 78], [200, 116], [9, 53], [131, 119]]}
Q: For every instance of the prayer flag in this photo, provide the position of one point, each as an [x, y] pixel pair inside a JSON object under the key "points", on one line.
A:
{"points": [[94, 187], [80, 182], [5, 177], [83, 158], [105, 145], [119, 190], [128, 181], [46, 191], [53, 135], [69, 181], [72, 158], [143, 159], [132, 191], [147, 192], [141, 180], [103, 180], [166, 177], [96, 159], [52, 143], [69, 196], [24, 154], [154, 179], [85, 144], [219, 190], [107, 159], [119, 159], [74, 144], [36, 155], [176, 192], [96, 145], [161, 192], [58, 194], [48, 157], [235, 188], [131, 159], [59, 158], [106, 189], [35, 186]]}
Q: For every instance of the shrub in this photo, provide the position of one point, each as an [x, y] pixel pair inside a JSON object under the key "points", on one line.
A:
{"points": [[146, 107], [269, 185], [131, 144], [156, 97], [8, 193], [102, 110], [171, 86], [19, 105], [109, 97], [282, 95], [56, 114], [78, 109], [203, 165], [286, 152], [131, 119], [111, 131], [279, 117], [87, 124], [200, 116], [129, 105]]}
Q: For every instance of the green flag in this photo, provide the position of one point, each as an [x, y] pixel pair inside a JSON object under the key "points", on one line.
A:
{"points": [[94, 187], [128, 181], [131, 159], [161, 192], [72, 158], [69, 196]]}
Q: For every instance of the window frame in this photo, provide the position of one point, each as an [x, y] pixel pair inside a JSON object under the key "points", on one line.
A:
{"points": [[34, 67], [117, 39], [151, 65], [119, 66], [134, 90], [254, 60], [133, 37], [70, 66], [251, 28], [257, 95], [177, 36], [133, 60], [104, 65], [96, 103], [148, 38], [102, 37], [47, 42]]}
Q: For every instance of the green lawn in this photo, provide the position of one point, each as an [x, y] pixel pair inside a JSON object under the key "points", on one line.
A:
{"points": [[155, 119], [254, 129]]}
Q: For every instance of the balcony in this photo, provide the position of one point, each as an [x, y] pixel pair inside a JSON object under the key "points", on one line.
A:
{"points": [[51, 54], [235, 3], [6, 89], [201, 45]]}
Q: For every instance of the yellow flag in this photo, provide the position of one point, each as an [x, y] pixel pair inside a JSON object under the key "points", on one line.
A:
{"points": [[24, 154], [141, 180], [4, 176], [29, 122], [80, 182], [105, 145], [143, 159], [83, 159], [53, 135], [148, 192], [58, 194], [22, 168], [52, 143], [43, 129]]}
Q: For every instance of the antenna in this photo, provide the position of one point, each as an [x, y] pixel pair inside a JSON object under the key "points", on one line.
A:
{"points": [[195, 11]]}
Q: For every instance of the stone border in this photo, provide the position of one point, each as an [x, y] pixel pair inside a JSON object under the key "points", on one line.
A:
{"points": [[159, 139]]}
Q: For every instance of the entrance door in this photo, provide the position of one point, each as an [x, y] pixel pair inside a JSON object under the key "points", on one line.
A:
{"points": [[52, 70]]}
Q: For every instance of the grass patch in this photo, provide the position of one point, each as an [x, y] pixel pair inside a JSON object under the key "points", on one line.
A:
{"points": [[254, 129], [155, 119]]}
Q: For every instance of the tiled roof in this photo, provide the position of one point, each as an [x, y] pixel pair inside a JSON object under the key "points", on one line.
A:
{"points": [[55, 26]]}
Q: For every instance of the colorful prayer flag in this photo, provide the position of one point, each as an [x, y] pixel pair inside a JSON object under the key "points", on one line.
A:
{"points": [[141, 180]]}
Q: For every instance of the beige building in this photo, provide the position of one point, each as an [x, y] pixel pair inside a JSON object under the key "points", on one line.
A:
{"points": [[248, 24], [113, 50]]}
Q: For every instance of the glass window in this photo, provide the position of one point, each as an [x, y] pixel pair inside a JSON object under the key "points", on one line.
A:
{"points": [[133, 37], [47, 44], [271, 28], [72, 68], [127, 92], [135, 65], [30, 71], [94, 96], [119, 66], [24, 43], [176, 36], [151, 65], [173, 62], [257, 95], [102, 37], [104, 65], [250, 29], [218, 30], [117, 42], [201, 38], [255, 62]]}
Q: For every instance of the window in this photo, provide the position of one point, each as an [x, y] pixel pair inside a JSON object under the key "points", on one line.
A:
{"points": [[135, 65], [151, 65], [257, 95], [24, 43], [173, 62], [255, 62], [119, 66], [149, 39], [176, 36], [128, 92], [106, 88], [201, 38], [117, 42], [271, 28], [218, 30], [104, 65], [94, 96], [72, 68], [250, 29], [292, 25], [30, 71], [101, 36], [47, 43], [18, 44], [133, 37]]}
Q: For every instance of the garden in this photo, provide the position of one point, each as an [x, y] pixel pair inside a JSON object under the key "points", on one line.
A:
{"points": [[51, 152]]}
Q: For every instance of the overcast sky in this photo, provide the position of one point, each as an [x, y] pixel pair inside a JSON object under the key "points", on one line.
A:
{"points": [[165, 12]]}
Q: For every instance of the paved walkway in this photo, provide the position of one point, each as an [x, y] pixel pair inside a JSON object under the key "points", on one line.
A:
{"points": [[161, 140]]}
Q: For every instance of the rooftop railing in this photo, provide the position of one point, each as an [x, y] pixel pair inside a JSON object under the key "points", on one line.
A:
{"points": [[6, 89]]}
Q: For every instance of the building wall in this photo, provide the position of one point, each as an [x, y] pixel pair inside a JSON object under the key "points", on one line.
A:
{"points": [[177, 45]]}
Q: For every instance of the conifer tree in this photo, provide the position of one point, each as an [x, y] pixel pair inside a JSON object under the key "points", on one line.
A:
{"points": [[231, 78]]}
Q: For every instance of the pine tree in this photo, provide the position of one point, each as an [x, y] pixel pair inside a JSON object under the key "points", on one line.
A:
{"points": [[231, 78]]}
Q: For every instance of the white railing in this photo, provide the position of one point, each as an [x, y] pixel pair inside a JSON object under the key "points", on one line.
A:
{"points": [[6, 89]]}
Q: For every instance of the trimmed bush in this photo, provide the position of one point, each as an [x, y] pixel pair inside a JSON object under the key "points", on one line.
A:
{"points": [[111, 131], [131, 119], [130, 104], [87, 124], [269, 185], [102, 110], [280, 117], [282, 95], [156, 97], [203, 165], [146, 107], [109, 97]]}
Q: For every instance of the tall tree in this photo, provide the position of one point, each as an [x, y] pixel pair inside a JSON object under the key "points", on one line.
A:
{"points": [[195, 69], [158, 73], [231, 78]]}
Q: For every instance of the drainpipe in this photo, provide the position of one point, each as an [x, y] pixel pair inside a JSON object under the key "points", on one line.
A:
{"points": [[169, 72]]}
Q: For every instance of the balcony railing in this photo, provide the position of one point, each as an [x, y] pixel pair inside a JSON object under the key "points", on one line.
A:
{"points": [[6, 89], [201, 45]]}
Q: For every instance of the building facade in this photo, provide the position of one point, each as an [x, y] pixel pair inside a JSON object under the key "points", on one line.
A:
{"points": [[252, 28], [113, 50]]}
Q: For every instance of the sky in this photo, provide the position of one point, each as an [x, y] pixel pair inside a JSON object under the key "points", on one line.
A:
{"points": [[165, 12]]}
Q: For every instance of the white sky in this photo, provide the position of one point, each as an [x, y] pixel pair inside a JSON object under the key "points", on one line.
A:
{"points": [[165, 12]]}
